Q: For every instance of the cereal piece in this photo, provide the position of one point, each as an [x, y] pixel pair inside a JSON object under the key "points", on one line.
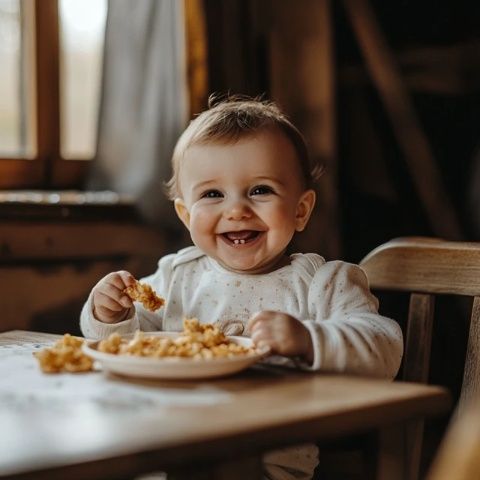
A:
{"points": [[141, 292], [111, 344], [64, 356]]}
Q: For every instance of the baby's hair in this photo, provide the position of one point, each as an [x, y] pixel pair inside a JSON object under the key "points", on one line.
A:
{"points": [[231, 118]]}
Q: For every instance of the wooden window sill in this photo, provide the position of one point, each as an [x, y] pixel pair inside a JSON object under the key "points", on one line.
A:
{"points": [[66, 205]]}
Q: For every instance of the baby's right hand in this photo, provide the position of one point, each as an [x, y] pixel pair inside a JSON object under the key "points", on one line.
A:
{"points": [[110, 303]]}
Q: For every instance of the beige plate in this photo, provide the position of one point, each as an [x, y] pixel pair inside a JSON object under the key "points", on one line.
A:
{"points": [[170, 367]]}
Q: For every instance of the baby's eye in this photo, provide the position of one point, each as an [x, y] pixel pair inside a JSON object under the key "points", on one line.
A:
{"points": [[261, 190], [212, 194]]}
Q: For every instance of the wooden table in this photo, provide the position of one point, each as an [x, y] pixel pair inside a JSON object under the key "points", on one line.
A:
{"points": [[97, 426]]}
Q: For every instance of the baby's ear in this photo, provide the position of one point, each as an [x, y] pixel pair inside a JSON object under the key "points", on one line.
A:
{"points": [[304, 209], [182, 212]]}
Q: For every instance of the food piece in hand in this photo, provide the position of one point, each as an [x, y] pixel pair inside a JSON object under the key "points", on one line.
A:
{"points": [[65, 356], [141, 292]]}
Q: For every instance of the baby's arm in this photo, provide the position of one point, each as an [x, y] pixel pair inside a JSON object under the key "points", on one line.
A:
{"points": [[347, 332]]}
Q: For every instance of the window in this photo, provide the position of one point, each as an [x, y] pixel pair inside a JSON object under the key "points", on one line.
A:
{"points": [[15, 132], [82, 30], [51, 58]]}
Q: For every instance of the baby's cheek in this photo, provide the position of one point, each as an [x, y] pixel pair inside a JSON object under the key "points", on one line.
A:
{"points": [[202, 231], [201, 220], [283, 221]]}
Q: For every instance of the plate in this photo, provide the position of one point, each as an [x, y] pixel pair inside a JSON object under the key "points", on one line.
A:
{"points": [[174, 367]]}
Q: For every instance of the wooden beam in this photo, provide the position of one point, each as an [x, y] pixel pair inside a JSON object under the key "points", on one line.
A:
{"points": [[50, 241], [327, 133], [196, 55]]}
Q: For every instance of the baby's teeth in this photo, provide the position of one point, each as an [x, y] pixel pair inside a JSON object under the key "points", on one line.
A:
{"points": [[237, 241]]}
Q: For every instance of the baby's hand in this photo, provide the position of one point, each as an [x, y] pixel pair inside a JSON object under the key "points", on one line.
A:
{"points": [[110, 303], [284, 334]]}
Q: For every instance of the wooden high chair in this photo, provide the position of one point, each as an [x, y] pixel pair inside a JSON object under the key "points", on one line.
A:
{"points": [[426, 267]]}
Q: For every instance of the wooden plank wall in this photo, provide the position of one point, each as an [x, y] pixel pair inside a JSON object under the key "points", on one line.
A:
{"points": [[48, 268]]}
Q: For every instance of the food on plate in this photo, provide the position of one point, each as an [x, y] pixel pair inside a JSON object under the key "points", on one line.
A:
{"points": [[141, 292], [64, 356], [197, 341]]}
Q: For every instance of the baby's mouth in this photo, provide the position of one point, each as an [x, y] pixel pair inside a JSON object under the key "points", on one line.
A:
{"points": [[241, 237]]}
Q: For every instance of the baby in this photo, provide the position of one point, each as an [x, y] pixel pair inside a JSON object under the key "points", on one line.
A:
{"points": [[242, 186]]}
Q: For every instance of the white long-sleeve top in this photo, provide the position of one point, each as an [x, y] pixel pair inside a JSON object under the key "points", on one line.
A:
{"points": [[332, 299]]}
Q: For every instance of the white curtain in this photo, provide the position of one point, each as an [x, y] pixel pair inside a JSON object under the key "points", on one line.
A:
{"points": [[144, 103]]}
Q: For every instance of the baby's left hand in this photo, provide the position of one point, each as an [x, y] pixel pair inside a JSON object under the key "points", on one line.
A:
{"points": [[284, 334]]}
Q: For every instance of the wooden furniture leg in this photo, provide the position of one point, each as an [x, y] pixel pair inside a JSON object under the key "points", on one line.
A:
{"points": [[391, 460]]}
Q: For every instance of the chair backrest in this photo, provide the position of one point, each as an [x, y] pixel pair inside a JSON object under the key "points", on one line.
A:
{"points": [[426, 267], [459, 454]]}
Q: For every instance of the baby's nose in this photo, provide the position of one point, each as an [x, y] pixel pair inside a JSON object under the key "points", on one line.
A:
{"points": [[238, 210]]}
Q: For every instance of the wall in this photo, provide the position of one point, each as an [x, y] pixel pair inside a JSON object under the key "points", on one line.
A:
{"points": [[49, 261]]}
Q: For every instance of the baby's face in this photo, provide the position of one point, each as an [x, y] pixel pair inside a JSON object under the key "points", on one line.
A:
{"points": [[243, 202]]}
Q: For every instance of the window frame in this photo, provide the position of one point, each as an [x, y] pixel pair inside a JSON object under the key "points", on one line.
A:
{"points": [[46, 169]]}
